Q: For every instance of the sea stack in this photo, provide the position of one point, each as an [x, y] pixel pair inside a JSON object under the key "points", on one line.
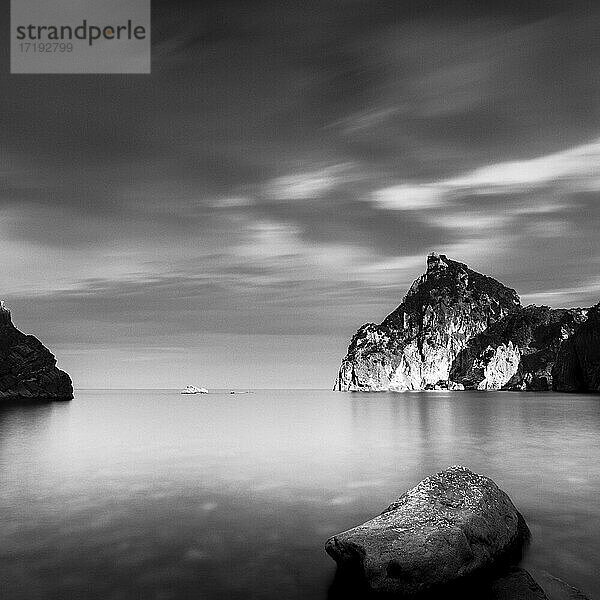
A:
{"points": [[457, 329], [27, 368], [415, 346]]}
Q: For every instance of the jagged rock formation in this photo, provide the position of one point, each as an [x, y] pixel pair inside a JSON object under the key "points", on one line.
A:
{"points": [[517, 352], [577, 367], [27, 368], [452, 526], [415, 346], [457, 329]]}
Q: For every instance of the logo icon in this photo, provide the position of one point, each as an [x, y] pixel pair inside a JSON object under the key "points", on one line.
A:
{"points": [[80, 36]]}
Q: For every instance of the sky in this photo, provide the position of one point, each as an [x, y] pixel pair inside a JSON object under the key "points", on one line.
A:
{"points": [[231, 219]]}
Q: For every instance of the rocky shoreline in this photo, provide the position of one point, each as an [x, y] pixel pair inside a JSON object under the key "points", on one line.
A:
{"points": [[454, 535], [457, 329], [28, 369]]}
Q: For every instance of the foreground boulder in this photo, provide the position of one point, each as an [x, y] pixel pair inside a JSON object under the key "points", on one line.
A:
{"points": [[577, 367], [27, 368], [451, 527]]}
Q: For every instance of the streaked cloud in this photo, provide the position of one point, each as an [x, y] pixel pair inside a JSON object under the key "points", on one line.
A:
{"points": [[310, 184], [576, 169], [567, 296], [366, 119], [573, 170], [410, 197]]}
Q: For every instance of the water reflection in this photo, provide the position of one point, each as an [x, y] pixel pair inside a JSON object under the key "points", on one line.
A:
{"points": [[151, 494]]}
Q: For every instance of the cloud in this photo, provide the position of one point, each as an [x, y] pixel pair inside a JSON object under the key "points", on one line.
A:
{"points": [[551, 228], [576, 169], [583, 296], [232, 202], [573, 170], [409, 197], [310, 184], [366, 119]]}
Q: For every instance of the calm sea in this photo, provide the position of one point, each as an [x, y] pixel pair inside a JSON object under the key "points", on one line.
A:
{"points": [[148, 494]]}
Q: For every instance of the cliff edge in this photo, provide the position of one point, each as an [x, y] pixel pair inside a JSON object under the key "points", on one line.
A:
{"points": [[27, 368], [458, 329], [577, 367]]}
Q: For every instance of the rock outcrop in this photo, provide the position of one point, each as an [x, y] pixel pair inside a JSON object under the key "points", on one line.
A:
{"points": [[457, 329], [517, 352], [577, 367], [27, 368], [451, 527], [415, 346]]}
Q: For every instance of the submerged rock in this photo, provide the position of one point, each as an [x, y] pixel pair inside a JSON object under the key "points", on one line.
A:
{"points": [[27, 368], [577, 367], [452, 526], [516, 584], [415, 346], [557, 589]]}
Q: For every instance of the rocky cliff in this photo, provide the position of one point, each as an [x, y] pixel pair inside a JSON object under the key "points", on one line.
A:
{"points": [[27, 368], [577, 367], [517, 352], [458, 329], [415, 346]]}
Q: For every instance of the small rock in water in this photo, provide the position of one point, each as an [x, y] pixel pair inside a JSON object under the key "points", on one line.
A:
{"points": [[556, 589], [451, 527], [517, 584]]}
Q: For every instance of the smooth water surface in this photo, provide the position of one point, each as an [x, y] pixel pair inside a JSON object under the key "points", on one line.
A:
{"points": [[155, 495]]}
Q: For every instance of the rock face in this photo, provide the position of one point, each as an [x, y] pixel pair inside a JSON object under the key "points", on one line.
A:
{"points": [[517, 352], [577, 367], [457, 329], [27, 368], [415, 346], [452, 526]]}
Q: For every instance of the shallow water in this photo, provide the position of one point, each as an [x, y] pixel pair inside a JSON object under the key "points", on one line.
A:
{"points": [[150, 494]]}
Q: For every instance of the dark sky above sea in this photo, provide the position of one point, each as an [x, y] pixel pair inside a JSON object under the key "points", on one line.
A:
{"points": [[231, 219]]}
